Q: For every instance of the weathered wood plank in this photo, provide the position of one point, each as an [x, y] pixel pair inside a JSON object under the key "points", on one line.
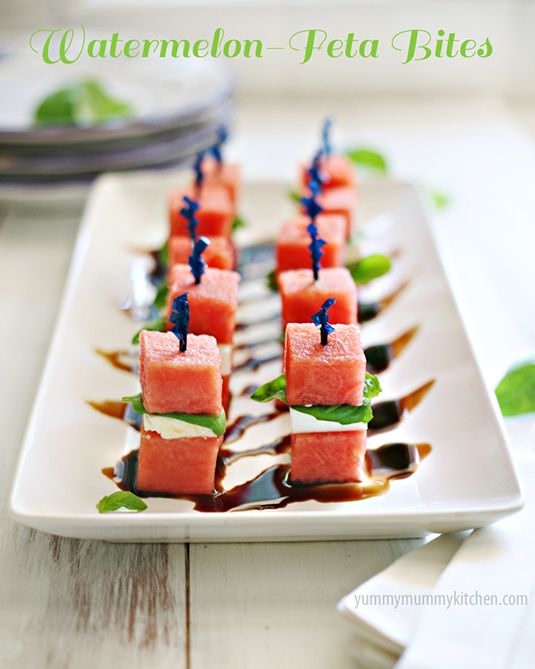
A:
{"points": [[68, 603], [274, 605]]}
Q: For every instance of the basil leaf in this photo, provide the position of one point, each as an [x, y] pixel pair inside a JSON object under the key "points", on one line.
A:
{"points": [[160, 299], [84, 104], [272, 390], [238, 223], [163, 255], [121, 500], [369, 159], [136, 401], [372, 387], [516, 391], [157, 325], [271, 282], [294, 196], [439, 199], [371, 267], [218, 424], [345, 414]]}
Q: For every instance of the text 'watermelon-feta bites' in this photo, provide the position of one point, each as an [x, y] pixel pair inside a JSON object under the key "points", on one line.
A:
{"points": [[183, 419], [301, 296], [292, 250]]}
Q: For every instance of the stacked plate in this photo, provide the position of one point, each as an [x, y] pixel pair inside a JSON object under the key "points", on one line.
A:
{"points": [[177, 110]]}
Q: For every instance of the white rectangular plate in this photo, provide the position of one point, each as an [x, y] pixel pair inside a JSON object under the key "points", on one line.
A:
{"points": [[467, 480]]}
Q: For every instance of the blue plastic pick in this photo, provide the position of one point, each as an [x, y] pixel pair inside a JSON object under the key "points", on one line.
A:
{"points": [[222, 136], [180, 319], [315, 246], [321, 318], [197, 264], [325, 136], [312, 206], [189, 211], [199, 174]]}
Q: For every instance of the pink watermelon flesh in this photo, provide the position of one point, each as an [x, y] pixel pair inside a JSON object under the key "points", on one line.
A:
{"points": [[326, 375], [336, 457], [176, 382], [340, 201], [177, 466], [335, 170], [215, 216], [219, 254], [293, 242], [301, 296], [226, 176], [212, 303]]}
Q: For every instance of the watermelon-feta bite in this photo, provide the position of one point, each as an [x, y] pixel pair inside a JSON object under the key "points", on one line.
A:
{"points": [[340, 201], [292, 251], [215, 214], [177, 466], [335, 171], [213, 302], [222, 174], [174, 381], [301, 296], [325, 375], [219, 254]]}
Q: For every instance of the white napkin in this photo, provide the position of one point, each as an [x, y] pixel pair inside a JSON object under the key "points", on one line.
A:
{"points": [[497, 560]]}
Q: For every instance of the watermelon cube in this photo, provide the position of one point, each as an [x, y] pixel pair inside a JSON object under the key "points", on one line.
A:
{"points": [[179, 382], [215, 215], [226, 175], [177, 466], [213, 302], [336, 171], [325, 375], [301, 296], [328, 457], [340, 202], [292, 250], [219, 254]]}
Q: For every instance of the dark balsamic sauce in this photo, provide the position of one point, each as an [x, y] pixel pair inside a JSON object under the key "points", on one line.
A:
{"points": [[389, 413], [273, 488], [242, 423], [367, 311], [253, 363], [118, 360]]}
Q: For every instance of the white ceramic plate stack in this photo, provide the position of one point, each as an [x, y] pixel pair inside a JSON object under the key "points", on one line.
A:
{"points": [[177, 110]]}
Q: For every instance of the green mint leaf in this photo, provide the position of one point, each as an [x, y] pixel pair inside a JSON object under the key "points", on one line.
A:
{"points": [[369, 159], [84, 104], [294, 196], [157, 325], [272, 390], [371, 267], [163, 255], [121, 500], [238, 223], [136, 401], [344, 414], [271, 282], [160, 299], [439, 199], [372, 387], [218, 424], [516, 391]]}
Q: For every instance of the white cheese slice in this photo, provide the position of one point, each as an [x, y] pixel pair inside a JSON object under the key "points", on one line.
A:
{"points": [[225, 351], [172, 428], [304, 423]]}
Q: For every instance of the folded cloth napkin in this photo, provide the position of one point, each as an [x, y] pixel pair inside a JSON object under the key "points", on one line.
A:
{"points": [[496, 562]]}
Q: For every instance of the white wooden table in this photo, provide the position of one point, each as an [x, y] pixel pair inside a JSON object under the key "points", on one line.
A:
{"points": [[69, 603]]}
